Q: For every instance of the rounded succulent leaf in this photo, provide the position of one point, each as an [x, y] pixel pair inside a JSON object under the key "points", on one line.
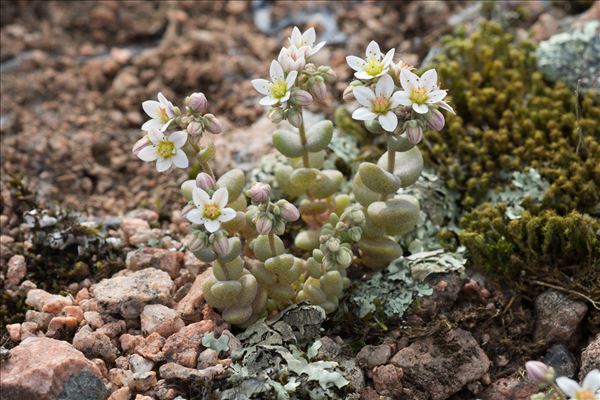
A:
{"points": [[249, 289], [304, 178], [397, 216], [332, 283], [307, 240], [363, 194], [226, 290], [316, 160], [379, 252], [234, 180], [319, 136], [328, 182], [378, 179], [237, 315], [282, 175], [288, 143], [262, 250], [400, 143], [313, 207], [187, 188], [408, 166], [280, 264]]}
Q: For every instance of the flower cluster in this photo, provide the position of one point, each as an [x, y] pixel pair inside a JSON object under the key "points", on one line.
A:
{"points": [[562, 387]]}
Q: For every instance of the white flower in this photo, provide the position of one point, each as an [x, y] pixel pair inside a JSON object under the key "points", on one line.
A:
{"points": [[305, 41], [589, 389], [375, 64], [291, 59], [420, 93], [210, 212], [378, 104], [277, 90], [165, 150], [161, 112]]}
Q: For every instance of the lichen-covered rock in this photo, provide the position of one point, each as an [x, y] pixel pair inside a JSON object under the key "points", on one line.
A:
{"points": [[48, 369], [440, 366], [150, 257], [558, 318], [190, 306], [160, 319], [176, 371], [127, 295]]}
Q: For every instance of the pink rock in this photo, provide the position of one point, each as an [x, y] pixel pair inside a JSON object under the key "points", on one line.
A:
{"points": [[14, 331], [509, 388], [130, 342], [74, 311], [143, 213], [94, 344], [29, 329], [142, 381], [190, 306], [113, 329], [151, 347], [207, 358], [372, 356], [17, 269], [36, 298], [93, 318], [558, 318], [131, 226], [138, 364], [119, 377], [55, 303], [101, 366], [151, 257], [59, 327], [387, 380], [590, 357], [45, 369], [176, 371], [183, 347], [123, 393], [40, 318], [142, 397], [83, 294], [160, 319]]}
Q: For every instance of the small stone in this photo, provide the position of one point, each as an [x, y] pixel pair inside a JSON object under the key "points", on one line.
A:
{"points": [[509, 388], [142, 213], [372, 356], [94, 344], [131, 226], [160, 319], [119, 377], [561, 359], [14, 332], [17, 269], [113, 329], [73, 311], [29, 329], [387, 380], [329, 349], [40, 318], [175, 371], [151, 347], [207, 358], [590, 357], [190, 306], [142, 381], [93, 318], [142, 397], [150, 257], [36, 298], [83, 294], [47, 369], [130, 342], [60, 326], [234, 343], [558, 318], [183, 347], [138, 363], [123, 393], [101, 366], [55, 304], [129, 294]]}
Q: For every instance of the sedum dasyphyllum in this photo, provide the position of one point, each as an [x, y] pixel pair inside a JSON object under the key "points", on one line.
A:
{"points": [[240, 232]]}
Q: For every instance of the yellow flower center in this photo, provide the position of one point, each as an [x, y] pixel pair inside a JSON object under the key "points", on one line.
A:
{"points": [[279, 89], [380, 105], [165, 149], [585, 394], [373, 67], [164, 117], [211, 211], [418, 95]]}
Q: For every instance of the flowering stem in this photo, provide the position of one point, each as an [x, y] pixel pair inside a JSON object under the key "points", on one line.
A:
{"points": [[391, 162], [206, 168], [305, 160], [271, 237], [559, 392]]}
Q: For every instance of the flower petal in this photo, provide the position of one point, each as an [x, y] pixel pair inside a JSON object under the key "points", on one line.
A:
{"points": [[389, 57], [152, 108], [436, 96], [401, 97], [148, 153], [408, 80], [429, 80], [291, 79], [296, 38], [363, 95], [384, 86], [156, 136], [363, 76], [389, 121], [446, 107], [152, 124], [212, 225], [309, 36], [316, 48], [268, 101], [200, 197], [166, 125], [420, 108], [373, 51], [178, 138], [163, 164], [569, 386], [285, 97], [180, 159], [195, 216], [221, 197], [262, 86], [592, 380], [162, 99], [363, 114], [227, 214], [276, 71], [356, 63]]}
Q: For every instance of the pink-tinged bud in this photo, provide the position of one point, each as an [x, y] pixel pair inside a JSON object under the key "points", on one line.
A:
{"points": [[140, 144], [198, 102], [259, 192], [348, 94], [212, 124], [435, 119], [205, 182], [536, 371], [327, 73], [194, 128], [319, 91], [263, 225], [196, 244], [301, 98], [294, 117], [276, 115], [414, 133], [289, 212], [221, 246]]}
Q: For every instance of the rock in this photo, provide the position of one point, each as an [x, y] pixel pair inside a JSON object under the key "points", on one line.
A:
{"points": [[558, 318], [142, 381], [387, 380], [446, 287], [59, 327], [509, 389], [544, 27], [150, 257], [73, 311], [175, 371], [40, 318], [131, 226], [555, 57], [113, 329], [353, 373], [190, 306], [561, 359], [442, 365], [17, 269], [329, 349], [94, 344], [36, 298], [14, 332], [55, 303], [151, 347], [93, 318], [590, 357], [371, 356], [127, 295], [48, 369], [160, 319], [142, 213], [183, 347], [138, 363], [207, 358], [123, 393], [130, 342]]}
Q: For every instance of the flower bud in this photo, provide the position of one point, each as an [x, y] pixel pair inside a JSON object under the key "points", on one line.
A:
{"points": [[536, 371], [435, 119], [319, 90], [194, 128], [212, 124], [221, 246], [294, 117], [140, 144], [259, 192], [414, 133], [196, 244], [198, 102], [205, 182], [263, 225], [348, 94], [289, 212], [276, 115], [301, 98], [327, 73]]}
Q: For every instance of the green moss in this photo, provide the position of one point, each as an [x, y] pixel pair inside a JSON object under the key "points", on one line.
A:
{"points": [[508, 118]]}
